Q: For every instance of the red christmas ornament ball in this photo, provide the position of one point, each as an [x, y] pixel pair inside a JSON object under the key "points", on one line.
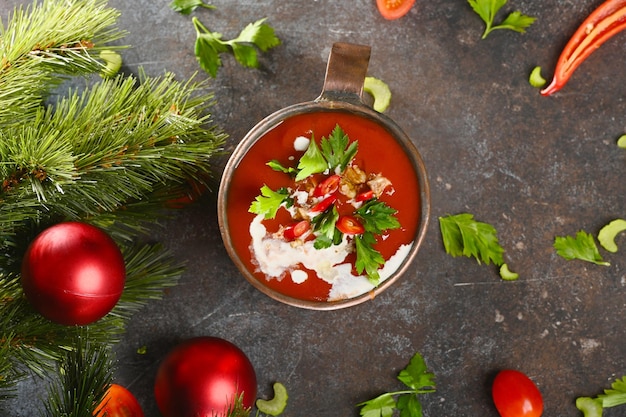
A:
{"points": [[73, 273], [204, 377]]}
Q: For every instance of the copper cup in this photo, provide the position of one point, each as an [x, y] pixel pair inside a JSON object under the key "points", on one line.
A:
{"points": [[342, 92]]}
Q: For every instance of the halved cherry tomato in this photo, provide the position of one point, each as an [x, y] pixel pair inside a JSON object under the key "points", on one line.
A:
{"points": [[294, 231], [516, 395], [364, 196], [328, 186], [349, 225], [394, 9], [119, 402], [323, 205]]}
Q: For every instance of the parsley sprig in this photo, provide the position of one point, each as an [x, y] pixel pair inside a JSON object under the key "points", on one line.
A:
{"points": [[419, 381], [582, 246], [269, 201], [210, 45], [188, 6], [487, 10], [334, 151], [464, 236]]}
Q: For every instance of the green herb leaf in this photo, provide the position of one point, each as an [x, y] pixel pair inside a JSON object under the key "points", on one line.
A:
{"points": [[377, 216], [188, 6], [209, 45], [409, 406], [337, 149], [416, 377], [312, 162], [616, 395], [368, 259], [582, 247], [259, 34], [462, 235], [268, 202], [381, 406], [277, 166], [324, 223], [487, 10]]}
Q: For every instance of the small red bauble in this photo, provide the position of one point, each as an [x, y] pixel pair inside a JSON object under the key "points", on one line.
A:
{"points": [[73, 273], [203, 377]]}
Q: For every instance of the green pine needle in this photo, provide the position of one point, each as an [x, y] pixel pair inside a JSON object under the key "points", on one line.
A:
{"points": [[34, 51], [84, 374]]}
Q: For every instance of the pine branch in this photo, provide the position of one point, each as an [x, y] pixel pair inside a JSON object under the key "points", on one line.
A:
{"points": [[33, 51], [106, 150], [85, 373]]}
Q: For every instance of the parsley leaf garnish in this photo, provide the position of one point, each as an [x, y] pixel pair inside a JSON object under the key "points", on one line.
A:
{"points": [[277, 166], [419, 381], [312, 162], [377, 216], [268, 202], [582, 247], [209, 45], [333, 152], [337, 149], [368, 259], [188, 6], [487, 10], [464, 236], [324, 223]]}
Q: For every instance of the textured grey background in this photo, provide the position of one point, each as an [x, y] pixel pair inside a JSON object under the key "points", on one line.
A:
{"points": [[534, 167]]}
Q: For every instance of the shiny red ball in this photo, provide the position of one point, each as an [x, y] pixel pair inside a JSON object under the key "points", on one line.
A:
{"points": [[73, 273], [203, 377]]}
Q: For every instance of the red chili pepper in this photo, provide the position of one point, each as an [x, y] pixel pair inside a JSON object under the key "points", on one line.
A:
{"points": [[604, 22], [296, 230], [349, 225], [364, 196], [328, 186], [323, 205]]}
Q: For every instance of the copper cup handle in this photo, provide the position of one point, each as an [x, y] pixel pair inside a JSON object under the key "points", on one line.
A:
{"points": [[345, 73]]}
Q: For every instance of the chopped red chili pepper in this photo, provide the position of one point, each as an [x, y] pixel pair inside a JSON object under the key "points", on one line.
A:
{"points": [[328, 186], [323, 205], [296, 230], [349, 225], [603, 23], [364, 196]]}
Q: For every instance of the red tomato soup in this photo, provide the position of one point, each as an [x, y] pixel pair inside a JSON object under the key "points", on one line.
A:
{"points": [[378, 154]]}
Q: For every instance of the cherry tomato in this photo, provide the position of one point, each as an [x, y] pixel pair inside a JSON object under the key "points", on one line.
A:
{"points": [[515, 395], [364, 196], [349, 225], [394, 9], [329, 186], [204, 376], [323, 205], [294, 231], [119, 402]]}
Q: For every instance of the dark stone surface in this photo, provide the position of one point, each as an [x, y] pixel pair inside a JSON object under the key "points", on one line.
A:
{"points": [[534, 167]]}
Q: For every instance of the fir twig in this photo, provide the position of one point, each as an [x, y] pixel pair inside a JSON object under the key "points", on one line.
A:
{"points": [[85, 373], [33, 51], [107, 150]]}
